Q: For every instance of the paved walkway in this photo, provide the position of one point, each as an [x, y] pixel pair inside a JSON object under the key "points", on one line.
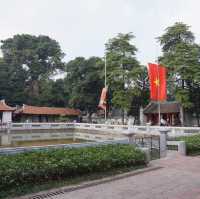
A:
{"points": [[179, 179]]}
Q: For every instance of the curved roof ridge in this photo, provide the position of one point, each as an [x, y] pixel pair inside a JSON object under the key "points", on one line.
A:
{"points": [[5, 107], [165, 107], [44, 110]]}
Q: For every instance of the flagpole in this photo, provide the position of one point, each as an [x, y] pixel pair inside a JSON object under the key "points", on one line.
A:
{"points": [[158, 91], [159, 115], [105, 83]]}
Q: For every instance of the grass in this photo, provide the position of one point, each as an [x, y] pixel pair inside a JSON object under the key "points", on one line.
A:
{"points": [[29, 189]]}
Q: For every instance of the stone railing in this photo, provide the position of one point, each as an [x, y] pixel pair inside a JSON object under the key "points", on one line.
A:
{"points": [[22, 126], [96, 132], [3, 127], [173, 131]]}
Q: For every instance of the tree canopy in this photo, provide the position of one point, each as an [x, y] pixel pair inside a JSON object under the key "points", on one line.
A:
{"points": [[29, 63], [84, 83], [124, 71], [182, 57], [28, 59]]}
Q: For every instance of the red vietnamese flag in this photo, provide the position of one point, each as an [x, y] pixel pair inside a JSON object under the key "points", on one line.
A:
{"points": [[103, 100], [157, 79]]}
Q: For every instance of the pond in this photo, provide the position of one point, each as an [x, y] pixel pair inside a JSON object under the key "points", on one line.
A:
{"points": [[44, 142]]}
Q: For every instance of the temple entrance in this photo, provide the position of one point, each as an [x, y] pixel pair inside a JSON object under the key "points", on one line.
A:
{"points": [[169, 112], [172, 119]]}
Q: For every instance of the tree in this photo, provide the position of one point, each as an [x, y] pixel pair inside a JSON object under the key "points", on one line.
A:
{"points": [[182, 57], [84, 83], [12, 81], [35, 56], [174, 35], [123, 71], [140, 97], [53, 93]]}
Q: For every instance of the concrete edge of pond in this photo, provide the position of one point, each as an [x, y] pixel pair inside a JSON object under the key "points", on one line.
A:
{"points": [[65, 189]]}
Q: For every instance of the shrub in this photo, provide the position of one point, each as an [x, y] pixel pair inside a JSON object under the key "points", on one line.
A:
{"points": [[43, 166], [192, 144]]}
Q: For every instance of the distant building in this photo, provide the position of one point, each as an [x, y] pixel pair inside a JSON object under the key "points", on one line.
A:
{"points": [[45, 114], [5, 112], [172, 112]]}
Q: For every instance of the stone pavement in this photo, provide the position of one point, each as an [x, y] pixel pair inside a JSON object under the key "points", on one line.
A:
{"points": [[178, 179]]}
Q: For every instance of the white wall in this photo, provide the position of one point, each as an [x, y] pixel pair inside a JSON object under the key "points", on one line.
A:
{"points": [[6, 117]]}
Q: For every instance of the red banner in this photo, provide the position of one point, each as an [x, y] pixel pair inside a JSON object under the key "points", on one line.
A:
{"points": [[103, 99], [157, 79]]}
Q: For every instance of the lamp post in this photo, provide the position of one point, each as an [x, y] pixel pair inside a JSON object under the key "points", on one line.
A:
{"points": [[123, 55], [105, 84]]}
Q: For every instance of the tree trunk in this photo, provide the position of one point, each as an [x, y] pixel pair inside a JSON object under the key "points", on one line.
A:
{"points": [[183, 84], [34, 89], [123, 116], [198, 122]]}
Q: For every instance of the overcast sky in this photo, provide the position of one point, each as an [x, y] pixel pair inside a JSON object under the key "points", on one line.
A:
{"points": [[83, 26]]}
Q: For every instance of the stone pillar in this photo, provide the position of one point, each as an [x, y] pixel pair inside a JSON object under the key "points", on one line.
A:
{"points": [[7, 117], [74, 136], [141, 116], [163, 142], [5, 137], [8, 127], [148, 127], [131, 139], [181, 116], [5, 140], [147, 154], [182, 148]]}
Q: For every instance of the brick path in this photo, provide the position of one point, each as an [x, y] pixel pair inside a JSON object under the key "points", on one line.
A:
{"points": [[179, 179]]}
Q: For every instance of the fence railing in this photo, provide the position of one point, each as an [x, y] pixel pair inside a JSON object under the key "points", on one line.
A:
{"points": [[173, 131], [22, 126]]}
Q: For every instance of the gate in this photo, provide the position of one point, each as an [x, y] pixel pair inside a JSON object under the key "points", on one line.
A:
{"points": [[152, 142]]}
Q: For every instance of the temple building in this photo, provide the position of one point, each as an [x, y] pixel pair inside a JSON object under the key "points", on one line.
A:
{"points": [[172, 112], [5, 112], [45, 114]]}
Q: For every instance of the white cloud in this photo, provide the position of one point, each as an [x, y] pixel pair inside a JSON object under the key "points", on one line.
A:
{"points": [[83, 26]]}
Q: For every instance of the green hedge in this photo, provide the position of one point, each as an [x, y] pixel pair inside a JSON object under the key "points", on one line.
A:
{"points": [[39, 167], [192, 144]]}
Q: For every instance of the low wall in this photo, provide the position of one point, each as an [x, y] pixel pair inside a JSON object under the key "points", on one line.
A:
{"points": [[117, 128], [96, 132], [92, 132], [97, 135], [50, 131], [181, 146], [42, 135], [172, 131], [31, 132], [32, 135]]}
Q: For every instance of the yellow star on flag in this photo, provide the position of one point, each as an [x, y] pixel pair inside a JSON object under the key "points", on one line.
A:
{"points": [[157, 82]]}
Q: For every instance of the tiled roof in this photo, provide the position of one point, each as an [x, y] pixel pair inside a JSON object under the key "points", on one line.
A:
{"points": [[35, 110], [5, 107], [165, 107]]}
